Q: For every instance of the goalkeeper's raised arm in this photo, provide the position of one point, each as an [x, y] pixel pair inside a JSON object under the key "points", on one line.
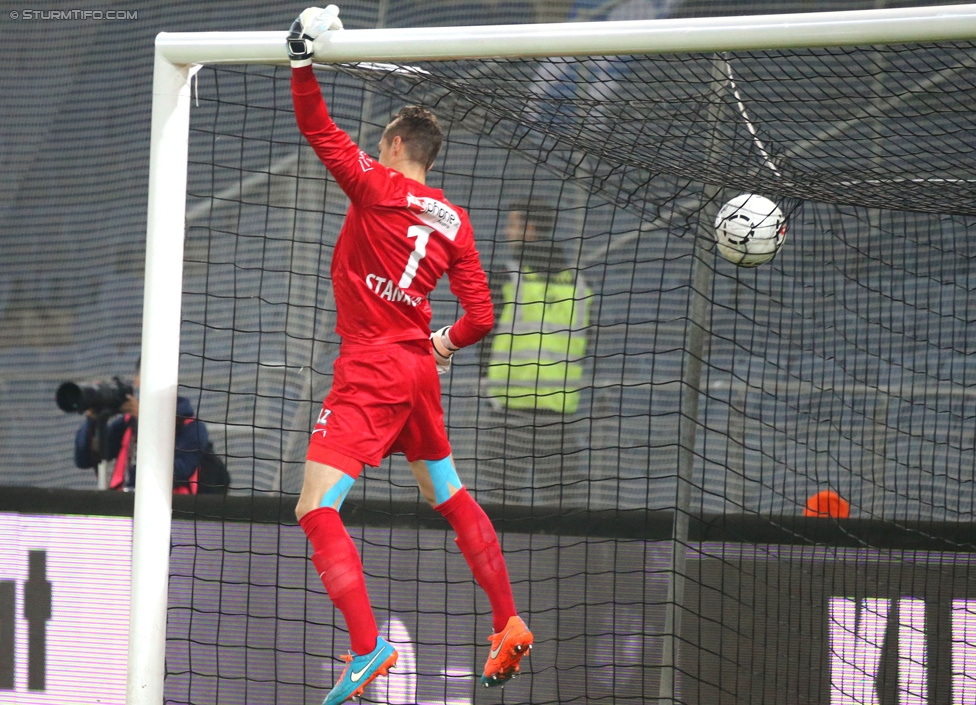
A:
{"points": [[399, 238], [400, 235]]}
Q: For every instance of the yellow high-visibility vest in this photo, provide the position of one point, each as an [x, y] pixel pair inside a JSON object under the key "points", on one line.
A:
{"points": [[540, 342]]}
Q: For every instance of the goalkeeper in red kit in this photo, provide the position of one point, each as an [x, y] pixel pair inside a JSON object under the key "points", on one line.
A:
{"points": [[399, 237]]}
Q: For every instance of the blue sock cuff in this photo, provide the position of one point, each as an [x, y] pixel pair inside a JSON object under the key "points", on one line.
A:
{"points": [[337, 493], [444, 476]]}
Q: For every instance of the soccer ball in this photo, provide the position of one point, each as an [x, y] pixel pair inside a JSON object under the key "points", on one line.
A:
{"points": [[750, 229]]}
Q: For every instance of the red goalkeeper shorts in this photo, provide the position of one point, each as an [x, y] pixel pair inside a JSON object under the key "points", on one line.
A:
{"points": [[384, 399]]}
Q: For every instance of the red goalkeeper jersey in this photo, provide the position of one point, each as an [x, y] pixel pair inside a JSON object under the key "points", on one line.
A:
{"points": [[398, 239]]}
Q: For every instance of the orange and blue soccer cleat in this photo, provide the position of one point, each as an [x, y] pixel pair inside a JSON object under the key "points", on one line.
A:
{"points": [[507, 649], [360, 671]]}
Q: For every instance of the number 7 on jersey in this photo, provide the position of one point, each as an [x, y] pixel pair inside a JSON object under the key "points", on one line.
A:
{"points": [[422, 233]]}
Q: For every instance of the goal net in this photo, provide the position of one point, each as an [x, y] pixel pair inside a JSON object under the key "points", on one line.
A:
{"points": [[654, 526]]}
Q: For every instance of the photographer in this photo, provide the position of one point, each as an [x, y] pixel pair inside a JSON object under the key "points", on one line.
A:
{"points": [[111, 431]]}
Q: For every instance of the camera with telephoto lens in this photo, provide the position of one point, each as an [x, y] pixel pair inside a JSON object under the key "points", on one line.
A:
{"points": [[100, 397]]}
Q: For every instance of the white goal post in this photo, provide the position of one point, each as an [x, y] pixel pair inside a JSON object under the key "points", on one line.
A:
{"points": [[176, 58]]}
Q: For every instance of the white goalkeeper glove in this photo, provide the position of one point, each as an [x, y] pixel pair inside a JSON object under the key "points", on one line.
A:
{"points": [[443, 349], [306, 28]]}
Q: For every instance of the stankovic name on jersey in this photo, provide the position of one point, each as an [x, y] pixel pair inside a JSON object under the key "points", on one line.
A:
{"points": [[384, 288]]}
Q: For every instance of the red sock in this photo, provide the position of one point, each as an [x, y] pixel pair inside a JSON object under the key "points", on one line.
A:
{"points": [[478, 542], [338, 564]]}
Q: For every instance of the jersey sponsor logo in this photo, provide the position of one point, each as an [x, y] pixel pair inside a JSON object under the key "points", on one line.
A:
{"points": [[365, 162], [385, 289], [320, 424], [440, 216]]}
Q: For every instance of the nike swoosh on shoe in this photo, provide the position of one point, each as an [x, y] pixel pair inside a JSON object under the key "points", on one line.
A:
{"points": [[354, 676], [494, 652]]}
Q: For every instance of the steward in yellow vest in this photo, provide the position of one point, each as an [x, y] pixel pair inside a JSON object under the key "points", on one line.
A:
{"points": [[535, 359], [539, 344]]}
